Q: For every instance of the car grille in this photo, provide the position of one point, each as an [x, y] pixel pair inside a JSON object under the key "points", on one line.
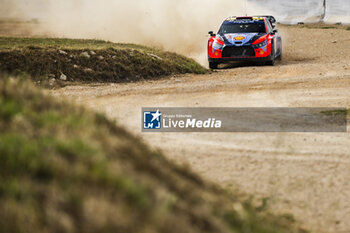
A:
{"points": [[241, 51]]}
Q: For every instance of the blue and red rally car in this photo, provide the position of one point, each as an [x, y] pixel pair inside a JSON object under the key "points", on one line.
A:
{"points": [[245, 39]]}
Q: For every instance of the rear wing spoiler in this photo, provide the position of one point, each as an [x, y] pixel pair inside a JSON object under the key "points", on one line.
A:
{"points": [[270, 18]]}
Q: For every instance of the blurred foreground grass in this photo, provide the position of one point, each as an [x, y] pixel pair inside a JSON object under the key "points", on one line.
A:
{"points": [[66, 169]]}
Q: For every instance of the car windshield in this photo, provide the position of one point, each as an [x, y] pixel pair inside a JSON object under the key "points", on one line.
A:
{"points": [[242, 28]]}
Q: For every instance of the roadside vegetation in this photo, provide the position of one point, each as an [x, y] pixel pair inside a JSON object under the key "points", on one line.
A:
{"points": [[319, 26], [50, 61], [66, 169]]}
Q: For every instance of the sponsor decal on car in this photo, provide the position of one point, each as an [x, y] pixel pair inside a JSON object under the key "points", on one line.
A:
{"points": [[239, 38]]}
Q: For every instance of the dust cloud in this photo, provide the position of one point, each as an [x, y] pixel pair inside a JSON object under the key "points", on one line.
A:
{"points": [[175, 25]]}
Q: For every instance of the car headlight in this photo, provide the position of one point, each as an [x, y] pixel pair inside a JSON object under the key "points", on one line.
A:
{"points": [[262, 44], [217, 45]]}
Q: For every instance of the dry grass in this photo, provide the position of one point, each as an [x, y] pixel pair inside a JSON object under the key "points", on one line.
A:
{"points": [[66, 169], [46, 59]]}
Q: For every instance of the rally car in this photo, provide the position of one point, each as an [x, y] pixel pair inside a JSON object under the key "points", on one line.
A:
{"points": [[245, 39]]}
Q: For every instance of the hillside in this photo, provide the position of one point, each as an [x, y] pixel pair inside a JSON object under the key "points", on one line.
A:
{"points": [[50, 60], [66, 169]]}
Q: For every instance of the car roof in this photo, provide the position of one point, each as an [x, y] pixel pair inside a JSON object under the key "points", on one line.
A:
{"points": [[244, 19], [251, 19]]}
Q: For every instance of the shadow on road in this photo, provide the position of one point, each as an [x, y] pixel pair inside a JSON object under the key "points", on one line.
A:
{"points": [[238, 64]]}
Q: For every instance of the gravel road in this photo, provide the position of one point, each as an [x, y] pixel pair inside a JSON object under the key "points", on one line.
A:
{"points": [[305, 174]]}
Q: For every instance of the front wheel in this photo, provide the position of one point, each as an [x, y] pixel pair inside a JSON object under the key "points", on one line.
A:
{"points": [[213, 65], [273, 59], [271, 63], [280, 56]]}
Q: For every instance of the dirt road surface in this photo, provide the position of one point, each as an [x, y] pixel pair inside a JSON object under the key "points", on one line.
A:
{"points": [[305, 174]]}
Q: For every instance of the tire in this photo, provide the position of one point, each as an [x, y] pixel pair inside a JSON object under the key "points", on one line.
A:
{"points": [[280, 56], [213, 65], [272, 61]]}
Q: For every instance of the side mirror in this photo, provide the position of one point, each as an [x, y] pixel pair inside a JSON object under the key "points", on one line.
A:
{"points": [[211, 33], [275, 31]]}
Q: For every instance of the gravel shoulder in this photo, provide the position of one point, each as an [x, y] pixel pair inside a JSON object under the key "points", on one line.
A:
{"points": [[305, 174]]}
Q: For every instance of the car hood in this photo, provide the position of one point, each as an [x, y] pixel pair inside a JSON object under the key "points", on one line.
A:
{"points": [[240, 39]]}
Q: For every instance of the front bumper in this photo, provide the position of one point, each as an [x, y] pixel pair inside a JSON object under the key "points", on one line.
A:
{"points": [[240, 53], [229, 59]]}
